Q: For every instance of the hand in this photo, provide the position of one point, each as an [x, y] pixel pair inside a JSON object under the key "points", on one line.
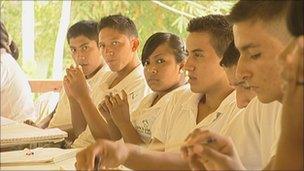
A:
{"points": [[111, 154], [292, 61], [119, 108], [103, 109], [215, 152], [76, 85]]}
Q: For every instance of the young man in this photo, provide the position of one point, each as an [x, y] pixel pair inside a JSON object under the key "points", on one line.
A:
{"points": [[118, 42], [229, 61], [261, 35], [210, 103], [82, 38], [253, 130]]}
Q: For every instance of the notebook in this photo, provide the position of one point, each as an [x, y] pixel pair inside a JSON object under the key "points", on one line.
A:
{"points": [[19, 133], [38, 156]]}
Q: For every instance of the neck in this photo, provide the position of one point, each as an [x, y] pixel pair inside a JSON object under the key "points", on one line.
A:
{"points": [[214, 97], [128, 68], [94, 72]]}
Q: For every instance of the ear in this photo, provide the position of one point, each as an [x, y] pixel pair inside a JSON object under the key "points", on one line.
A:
{"points": [[135, 44], [182, 64]]}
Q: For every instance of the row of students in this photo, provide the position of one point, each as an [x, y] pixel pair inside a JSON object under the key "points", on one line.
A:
{"points": [[215, 103], [209, 103]]}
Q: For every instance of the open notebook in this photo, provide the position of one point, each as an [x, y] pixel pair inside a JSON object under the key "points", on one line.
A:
{"points": [[38, 156], [14, 133]]}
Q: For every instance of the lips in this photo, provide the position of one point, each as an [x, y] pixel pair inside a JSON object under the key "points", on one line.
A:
{"points": [[151, 80]]}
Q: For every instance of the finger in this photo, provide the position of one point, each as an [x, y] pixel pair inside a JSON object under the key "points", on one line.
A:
{"points": [[208, 154], [105, 108], [195, 163], [108, 103], [124, 95], [118, 99], [113, 100]]}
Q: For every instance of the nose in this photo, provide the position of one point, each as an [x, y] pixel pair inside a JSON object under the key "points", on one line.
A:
{"points": [[152, 70], [242, 69], [79, 55], [189, 65], [108, 51]]}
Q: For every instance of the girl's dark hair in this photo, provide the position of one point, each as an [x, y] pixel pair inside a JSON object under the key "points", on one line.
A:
{"points": [[10, 47], [174, 42], [295, 18]]}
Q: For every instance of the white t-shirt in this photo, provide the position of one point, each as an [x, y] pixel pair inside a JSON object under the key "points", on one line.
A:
{"points": [[144, 116], [16, 96], [62, 115], [255, 132], [179, 118], [135, 86]]}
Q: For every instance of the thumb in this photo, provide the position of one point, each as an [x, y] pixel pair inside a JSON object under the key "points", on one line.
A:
{"points": [[124, 95], [208, 154]]}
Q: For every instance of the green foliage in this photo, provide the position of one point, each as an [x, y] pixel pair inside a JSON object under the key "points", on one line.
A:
{"points": [[148, 16]]}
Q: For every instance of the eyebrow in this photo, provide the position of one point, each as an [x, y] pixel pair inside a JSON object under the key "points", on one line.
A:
{"points": [[197, 50], [80, 45], [248, 46]]}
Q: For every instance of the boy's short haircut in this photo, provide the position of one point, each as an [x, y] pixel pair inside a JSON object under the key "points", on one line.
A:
{"points": [[87, 28], [231, 56], [271, 12], [256, 10], [120, 23], [219, 29]]}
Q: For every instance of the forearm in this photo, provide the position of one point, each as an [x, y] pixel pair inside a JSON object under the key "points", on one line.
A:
{"points": [[130, 135], [114, 130], [95, 121], [143, 159], [78, 120]]}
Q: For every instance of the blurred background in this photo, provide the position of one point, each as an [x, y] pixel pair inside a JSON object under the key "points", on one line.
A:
{"points": [[39, 27]]}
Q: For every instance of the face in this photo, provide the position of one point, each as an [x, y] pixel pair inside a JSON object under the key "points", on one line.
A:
{"points": [[202, 65], [259, 49], [117, 48], [243, 93], [161, 70], [85, 52]]}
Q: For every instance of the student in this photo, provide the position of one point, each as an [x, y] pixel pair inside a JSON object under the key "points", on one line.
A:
{"points": [[210, 103], [261, 34], [229, 61], [118, 40], [16, 97], [82, 38], [254, 129], [163, 57]]}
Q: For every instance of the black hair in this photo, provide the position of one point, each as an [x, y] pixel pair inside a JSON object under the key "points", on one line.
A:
{"points": [[120, 23], [5, 43], [295, 18], [87, 28], [219, 29], [231, 56], [174, 42], [254, 10]]}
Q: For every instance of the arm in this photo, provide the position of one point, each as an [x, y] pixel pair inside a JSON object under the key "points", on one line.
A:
{"points": [[119, 111], [78, 88], [290, 146], [78, 120], [117, 153]]}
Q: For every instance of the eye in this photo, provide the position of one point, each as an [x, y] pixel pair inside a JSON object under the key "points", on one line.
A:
{"points": [[115, 43], [101, 45], [73, 50], [159, 61], [146, 63], [197, 55], [84, 47], [256, 56]]}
